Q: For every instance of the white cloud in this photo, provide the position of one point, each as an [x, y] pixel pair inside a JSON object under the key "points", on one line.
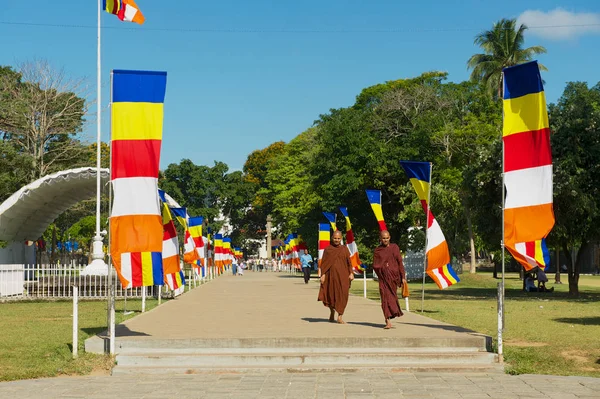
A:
{"points": [[560, 24]]}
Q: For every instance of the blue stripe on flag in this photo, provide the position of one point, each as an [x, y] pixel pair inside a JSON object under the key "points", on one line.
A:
{"points": [[523, 79], [417, 170], [139, 86]]}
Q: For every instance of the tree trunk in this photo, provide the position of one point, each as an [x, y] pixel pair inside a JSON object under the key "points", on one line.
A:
{"points": [[473, 268], [557, 275], [573, 268]]}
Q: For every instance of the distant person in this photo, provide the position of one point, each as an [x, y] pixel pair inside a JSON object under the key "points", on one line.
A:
{"points": [[530, 283], [335, 273], [387, 263], [306, 261], [542, 280]]}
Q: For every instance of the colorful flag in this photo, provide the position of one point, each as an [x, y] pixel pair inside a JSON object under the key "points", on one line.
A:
{"points": [[136, 228], [176, 282], [528, 211], [170, 250], [125, 10], [350, 242], [331, 217], [324, 239], [374, 197], [195, 226], [219, 251], [437, 252]]}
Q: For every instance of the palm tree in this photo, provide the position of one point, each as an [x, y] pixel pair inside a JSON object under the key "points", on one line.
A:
{"points": [[503, 47]]}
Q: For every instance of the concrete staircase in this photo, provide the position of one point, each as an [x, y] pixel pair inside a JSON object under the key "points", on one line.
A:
{"points": [[147, 356]]}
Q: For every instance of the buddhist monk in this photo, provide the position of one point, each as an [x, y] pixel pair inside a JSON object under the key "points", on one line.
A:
{"points": [[387, 263], [335, 273]]}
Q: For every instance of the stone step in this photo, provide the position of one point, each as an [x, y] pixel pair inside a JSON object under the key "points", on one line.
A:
{"points": [[468, 340], [492, 368], [298, 359], [252, 351]]}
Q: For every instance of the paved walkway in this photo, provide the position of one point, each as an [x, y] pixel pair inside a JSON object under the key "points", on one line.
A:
{"points": [[274, 305], [271, 305], [305, 386]]}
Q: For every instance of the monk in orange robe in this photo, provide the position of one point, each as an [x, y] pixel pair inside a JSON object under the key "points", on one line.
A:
{"points": [[387, 263], [335, 273]]}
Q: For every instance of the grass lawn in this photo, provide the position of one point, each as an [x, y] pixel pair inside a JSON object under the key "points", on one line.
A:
{"points": [[36, 337], [545, 333]]}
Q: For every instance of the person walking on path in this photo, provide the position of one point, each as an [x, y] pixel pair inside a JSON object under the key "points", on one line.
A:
{"points": [[306, 260], [335, 273], [387, 263]]}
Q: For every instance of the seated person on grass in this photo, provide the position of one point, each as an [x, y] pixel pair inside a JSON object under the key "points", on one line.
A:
{"points": [[542, 280], [530, 283]]}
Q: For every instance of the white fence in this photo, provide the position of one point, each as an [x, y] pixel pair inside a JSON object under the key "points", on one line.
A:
{"points": [[56, 281]]}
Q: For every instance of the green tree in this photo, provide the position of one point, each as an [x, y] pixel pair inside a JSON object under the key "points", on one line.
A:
{"points": [[503, 46], [42, 113], [575, 123], [14, 169]]}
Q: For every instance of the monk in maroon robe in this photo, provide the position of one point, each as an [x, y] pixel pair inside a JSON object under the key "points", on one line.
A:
{"points": [[387, 263], [335, 273]]}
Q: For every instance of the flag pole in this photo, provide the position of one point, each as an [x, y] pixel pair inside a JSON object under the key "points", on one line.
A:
{"points": [[501, 290], [426, 228]]}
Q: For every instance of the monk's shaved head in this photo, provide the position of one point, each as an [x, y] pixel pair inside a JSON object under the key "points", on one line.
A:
{"points": [[384, 233], [337, 232]]}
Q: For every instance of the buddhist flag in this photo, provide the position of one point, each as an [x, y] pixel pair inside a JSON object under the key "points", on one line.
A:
{"points": [[181, 216], [195, 226], [438, 255], [528, 211], [374, 197], [125, 10], [219, 251], [324, 239], [170, 251], [332, 219], [350, 243], [176, 282], [136, 227]]}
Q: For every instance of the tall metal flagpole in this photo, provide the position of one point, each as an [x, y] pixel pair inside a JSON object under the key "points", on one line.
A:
{"points": [[426, 241], [97, 266], [501, 285]]}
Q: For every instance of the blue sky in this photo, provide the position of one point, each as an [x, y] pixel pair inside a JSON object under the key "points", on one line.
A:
{"points": [[242, 75]]}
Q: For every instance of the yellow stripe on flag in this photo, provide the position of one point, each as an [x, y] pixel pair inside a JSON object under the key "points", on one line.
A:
{"points": [[137, 121], [524, 114], [421, 187], [377, 211], [147, 277]]}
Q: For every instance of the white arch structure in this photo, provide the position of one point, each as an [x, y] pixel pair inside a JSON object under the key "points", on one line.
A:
{"points": [[26, 214]]}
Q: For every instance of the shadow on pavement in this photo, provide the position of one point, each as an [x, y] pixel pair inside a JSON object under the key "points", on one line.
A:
{"points": [[443, 327]]}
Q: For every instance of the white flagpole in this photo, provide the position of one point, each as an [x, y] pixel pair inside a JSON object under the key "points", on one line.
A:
{"points": [[426, 228], [501, 291]]}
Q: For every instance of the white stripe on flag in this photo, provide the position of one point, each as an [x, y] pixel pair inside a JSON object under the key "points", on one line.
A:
{"points": [[130, 12], [352, 248], [440, 278], [170, 248], [521, 248], [528, 187], [135, 196], [434, 236], [126, 267]]}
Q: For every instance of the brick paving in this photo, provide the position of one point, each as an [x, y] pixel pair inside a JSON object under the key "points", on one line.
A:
{"points": [[310, 385]]}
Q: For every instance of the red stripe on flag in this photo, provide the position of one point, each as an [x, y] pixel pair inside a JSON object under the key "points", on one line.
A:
{"points": [[135, 158], [349, 237], [136, 269], [170, 231], [382, 225], [441, 271], [527, 150], [530, 248]]}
